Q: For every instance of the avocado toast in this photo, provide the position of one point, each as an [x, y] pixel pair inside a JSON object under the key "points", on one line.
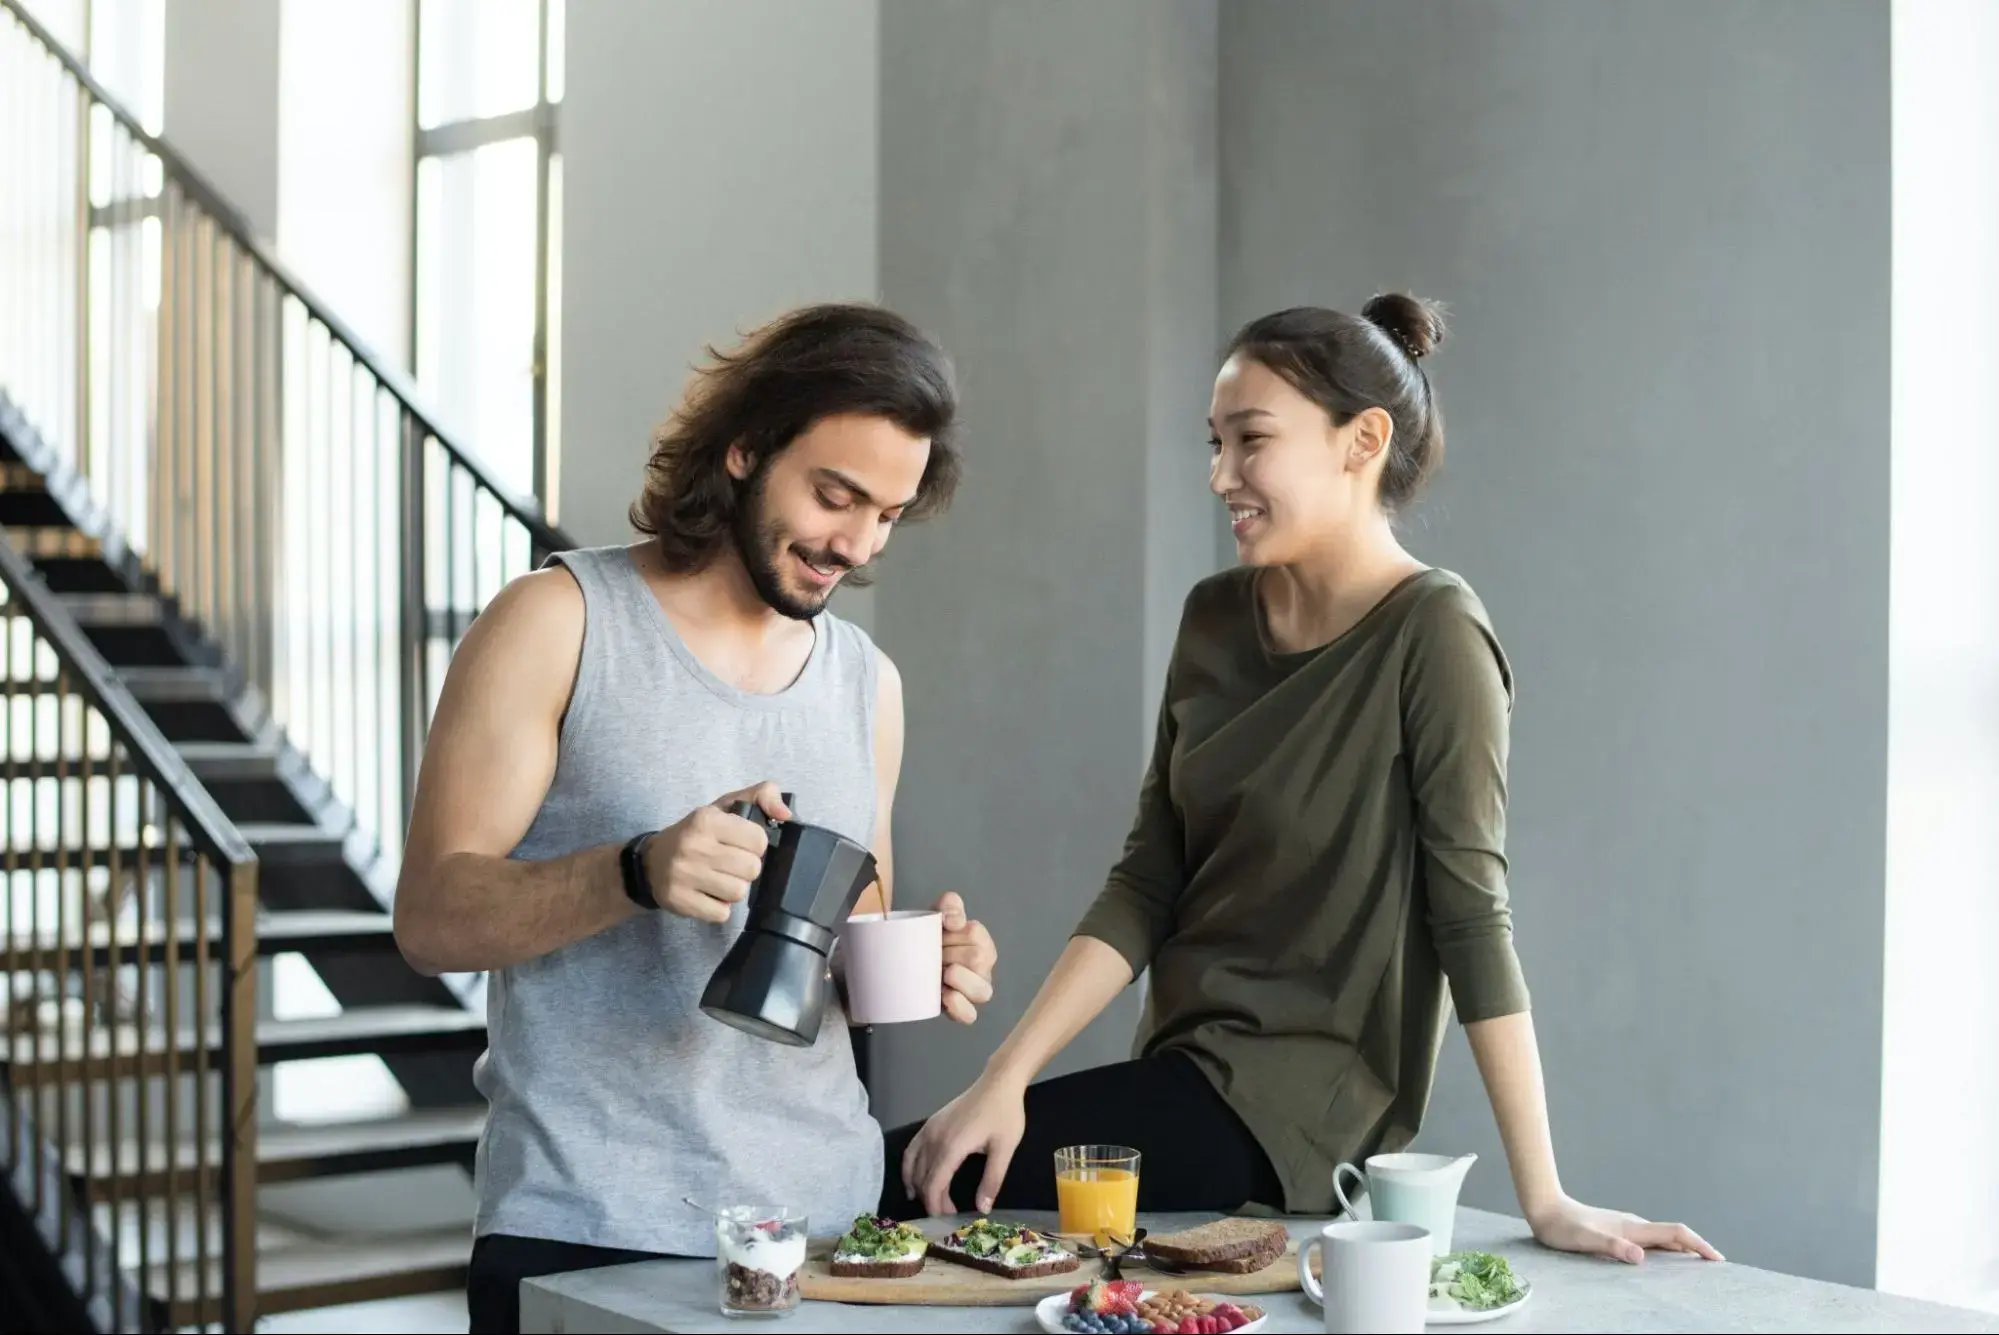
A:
{"points": [[879, 1248], [1011, 1251]]}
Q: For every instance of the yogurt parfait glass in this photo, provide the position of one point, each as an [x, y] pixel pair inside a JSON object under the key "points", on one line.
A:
{"points": [[759, 1250]]}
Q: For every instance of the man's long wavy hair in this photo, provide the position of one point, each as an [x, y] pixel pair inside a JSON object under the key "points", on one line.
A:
{"points": [[806, 365]]}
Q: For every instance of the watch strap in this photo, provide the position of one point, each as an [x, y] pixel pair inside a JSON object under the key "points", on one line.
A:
{"points": [[632, 865]]}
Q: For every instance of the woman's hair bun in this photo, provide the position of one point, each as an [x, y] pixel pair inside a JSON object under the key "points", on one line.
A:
{"points": [[1415, 324]]}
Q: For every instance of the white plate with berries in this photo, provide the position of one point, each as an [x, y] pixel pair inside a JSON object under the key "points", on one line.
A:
{"points": [[1124, 1307]]}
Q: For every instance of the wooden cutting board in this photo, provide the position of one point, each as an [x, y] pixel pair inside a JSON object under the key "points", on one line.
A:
{"points": [[942, 1284]]}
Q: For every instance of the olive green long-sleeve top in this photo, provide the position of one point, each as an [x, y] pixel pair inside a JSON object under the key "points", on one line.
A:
{"points": [[1319, 850]]}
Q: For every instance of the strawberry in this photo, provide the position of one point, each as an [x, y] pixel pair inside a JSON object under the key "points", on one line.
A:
{"points": [[1106, 1298], [1231, 1314], [1127, 1290], [1188, 1326]]}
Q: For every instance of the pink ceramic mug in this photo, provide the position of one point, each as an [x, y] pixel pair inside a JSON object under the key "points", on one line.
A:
{"points": [[895, 966]]}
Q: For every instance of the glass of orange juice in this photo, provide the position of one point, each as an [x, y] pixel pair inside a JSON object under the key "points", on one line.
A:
{"points": [[1096, 1188]]}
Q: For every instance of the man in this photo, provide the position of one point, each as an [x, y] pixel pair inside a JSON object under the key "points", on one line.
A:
{"points": [[571, 831]]}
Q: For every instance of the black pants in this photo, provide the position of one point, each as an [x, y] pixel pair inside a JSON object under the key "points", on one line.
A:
{"points": [[500, 1262], [1196, 1153]]}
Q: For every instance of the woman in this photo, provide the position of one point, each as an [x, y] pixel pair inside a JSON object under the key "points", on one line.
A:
{"points": [[1319, 847]]}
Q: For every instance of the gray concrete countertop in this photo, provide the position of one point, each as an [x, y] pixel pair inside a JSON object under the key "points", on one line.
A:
{"points": [[1571, 1293]]}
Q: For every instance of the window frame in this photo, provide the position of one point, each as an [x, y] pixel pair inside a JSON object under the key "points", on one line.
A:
{"points": [[541, 122]]}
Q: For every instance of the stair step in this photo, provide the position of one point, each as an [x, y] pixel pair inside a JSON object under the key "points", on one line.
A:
{"points": [[113, 609], [323, 931], [213, 761], [57, 543], [291, 844], [294, 1152], [302, 931], [173, 683], [382, 1030], [325, 1273], [25, 501], [78, 574]]}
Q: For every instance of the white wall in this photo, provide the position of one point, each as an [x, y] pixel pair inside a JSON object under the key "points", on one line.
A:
{"points": [[1940, 1078], [720, 164]]}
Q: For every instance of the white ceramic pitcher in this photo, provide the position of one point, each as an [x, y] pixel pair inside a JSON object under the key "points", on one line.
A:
{"points": [[1419, 1189]]}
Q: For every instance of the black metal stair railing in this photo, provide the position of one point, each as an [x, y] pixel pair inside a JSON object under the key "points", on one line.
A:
{"points": [[129, 951], [282, 486]]}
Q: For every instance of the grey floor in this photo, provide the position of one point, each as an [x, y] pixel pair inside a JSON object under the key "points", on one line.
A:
{"points": [[404, 1316]]}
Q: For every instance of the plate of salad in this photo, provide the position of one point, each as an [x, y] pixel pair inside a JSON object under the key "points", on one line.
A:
{"points": [[1468, 1287]]}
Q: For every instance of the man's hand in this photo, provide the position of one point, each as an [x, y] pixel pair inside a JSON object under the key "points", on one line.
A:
{"points": [[969, 957], [702, 864]]}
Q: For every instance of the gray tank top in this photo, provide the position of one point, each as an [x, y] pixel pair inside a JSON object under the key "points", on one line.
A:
{"points": [[612, 1094]]}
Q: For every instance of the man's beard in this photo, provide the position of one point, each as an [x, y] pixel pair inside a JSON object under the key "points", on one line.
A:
{"points": [[761, 546]]}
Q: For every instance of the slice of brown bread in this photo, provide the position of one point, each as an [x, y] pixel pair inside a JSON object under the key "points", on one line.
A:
{"points": [[1222, 1245], [1054, 1265], [866, 1269], [1247, 1265]]}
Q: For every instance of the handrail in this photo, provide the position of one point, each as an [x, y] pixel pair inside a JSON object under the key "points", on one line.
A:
{"points": [[186, 869], [152, 755], [192, 182]]}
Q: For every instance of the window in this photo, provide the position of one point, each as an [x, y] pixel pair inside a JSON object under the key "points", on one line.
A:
{"points": [[488, 209]]}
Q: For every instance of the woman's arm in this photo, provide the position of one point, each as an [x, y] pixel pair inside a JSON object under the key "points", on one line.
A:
{"points": [[989, 1118], [1509, 1061], [1085, 979], [1457, 695], [1113, 944]]}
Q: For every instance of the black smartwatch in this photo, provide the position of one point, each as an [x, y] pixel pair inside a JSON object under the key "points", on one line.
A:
{"points": [[632, 862]]}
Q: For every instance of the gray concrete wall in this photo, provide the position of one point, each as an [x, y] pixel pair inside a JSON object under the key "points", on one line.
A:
{"points": [[1048, 210], [1664, 231], [718, 167], [221, 100]]}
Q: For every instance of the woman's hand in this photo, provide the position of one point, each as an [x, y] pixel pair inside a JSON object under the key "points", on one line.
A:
{"points": [[989, 1118], [1570, 1226]]}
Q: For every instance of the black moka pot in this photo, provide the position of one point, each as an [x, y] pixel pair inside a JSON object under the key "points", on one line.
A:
{"points": [[774, 981]]}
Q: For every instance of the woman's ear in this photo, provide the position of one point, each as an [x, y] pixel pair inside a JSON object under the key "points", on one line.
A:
{"points": [[1368, 437]]}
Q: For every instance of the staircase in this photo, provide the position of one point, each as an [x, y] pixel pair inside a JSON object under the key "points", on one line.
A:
{"points": [[237, 555]]}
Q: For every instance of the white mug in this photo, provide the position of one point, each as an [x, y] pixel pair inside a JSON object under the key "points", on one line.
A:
{"points": [[1377, 1277], [895, 966]]}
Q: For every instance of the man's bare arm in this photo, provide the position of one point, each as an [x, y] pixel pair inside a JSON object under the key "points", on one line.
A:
{"points": [[461, 903]]}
